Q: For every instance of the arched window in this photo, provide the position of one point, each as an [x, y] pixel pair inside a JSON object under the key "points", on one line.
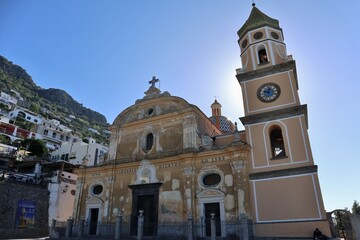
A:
{"points": [[149, 141], [263, 56], [277, 143]]}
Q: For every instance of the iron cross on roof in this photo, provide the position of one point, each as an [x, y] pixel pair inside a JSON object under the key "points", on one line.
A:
{"points": [[153, 81]]}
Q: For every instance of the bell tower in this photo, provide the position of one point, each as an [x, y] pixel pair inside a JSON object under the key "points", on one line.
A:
{"points": [[285, 192]]}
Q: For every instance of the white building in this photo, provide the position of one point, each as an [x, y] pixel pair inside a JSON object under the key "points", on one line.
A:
{"points": [[93, 130], [81, 153], [62, 195], [4, 119], [8, 99], [26, 115], [55, 134]]}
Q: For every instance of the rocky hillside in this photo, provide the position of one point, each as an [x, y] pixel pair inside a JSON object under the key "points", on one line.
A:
{"points": [[51, 103]]}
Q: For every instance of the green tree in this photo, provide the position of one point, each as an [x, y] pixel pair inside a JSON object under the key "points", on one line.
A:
{"points": [[4, 139], [4, 106], [355, 208], [34, 108], [22, 123], [36, 147]]}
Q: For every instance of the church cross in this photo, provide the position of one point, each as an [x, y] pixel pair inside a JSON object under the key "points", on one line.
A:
{"points": [[153, 81]]}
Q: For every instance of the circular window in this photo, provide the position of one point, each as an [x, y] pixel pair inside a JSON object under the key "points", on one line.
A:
{"points": [[211, 179], [275, 35], [258, 35], [97, 189], [150, 112], [244, 43], [72, 192]]}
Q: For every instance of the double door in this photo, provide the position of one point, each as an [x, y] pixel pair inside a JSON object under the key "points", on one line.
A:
{"points": [[145, 204], [145, 199]]}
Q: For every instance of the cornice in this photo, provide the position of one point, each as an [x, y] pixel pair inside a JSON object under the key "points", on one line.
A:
{"points": [[283, 172], [276, 114], [282, 67]]}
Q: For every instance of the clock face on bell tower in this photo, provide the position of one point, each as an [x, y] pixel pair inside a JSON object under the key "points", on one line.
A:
{"points": [[268, 92]]}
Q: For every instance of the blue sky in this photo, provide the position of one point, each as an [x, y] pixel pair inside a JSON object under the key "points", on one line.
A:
{"points": [[103, 53]]}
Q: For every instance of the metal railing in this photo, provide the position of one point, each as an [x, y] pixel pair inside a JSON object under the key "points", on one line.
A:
{"points": [[22, 179], [175, 229]]}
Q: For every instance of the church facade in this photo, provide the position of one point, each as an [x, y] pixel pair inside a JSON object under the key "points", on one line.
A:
{"points": [[171, 164]]}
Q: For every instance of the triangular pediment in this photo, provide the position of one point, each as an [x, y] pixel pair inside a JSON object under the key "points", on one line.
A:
{"points": [[208, 193], [94, 200]]}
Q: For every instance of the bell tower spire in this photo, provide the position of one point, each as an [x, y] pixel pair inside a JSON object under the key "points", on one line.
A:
{"points": [[261, 41]]}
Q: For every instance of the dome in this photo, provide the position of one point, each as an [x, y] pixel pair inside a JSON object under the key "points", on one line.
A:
{"points": [[223, 124], [257, 19]]}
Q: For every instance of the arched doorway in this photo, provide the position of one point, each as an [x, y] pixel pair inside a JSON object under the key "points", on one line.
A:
{"points": [[211, 201]]}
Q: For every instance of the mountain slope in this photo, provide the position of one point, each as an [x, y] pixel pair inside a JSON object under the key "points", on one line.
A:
{"points": [[62, 98], [51, 103]]}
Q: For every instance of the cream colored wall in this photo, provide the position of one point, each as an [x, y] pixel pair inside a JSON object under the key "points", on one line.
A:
{"points": [[296, 142], [288, 96], [279, 202], [283, 203], [280, 54], [65, 202], [282, 199], [275, 48], [299, 140], [292, 229], [61, 200]]}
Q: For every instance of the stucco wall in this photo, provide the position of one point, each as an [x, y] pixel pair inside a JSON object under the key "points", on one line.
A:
{"points": [[11, 193]]}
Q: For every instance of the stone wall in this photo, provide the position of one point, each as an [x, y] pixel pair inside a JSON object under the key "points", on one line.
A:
{"points": [[35, 203]]}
